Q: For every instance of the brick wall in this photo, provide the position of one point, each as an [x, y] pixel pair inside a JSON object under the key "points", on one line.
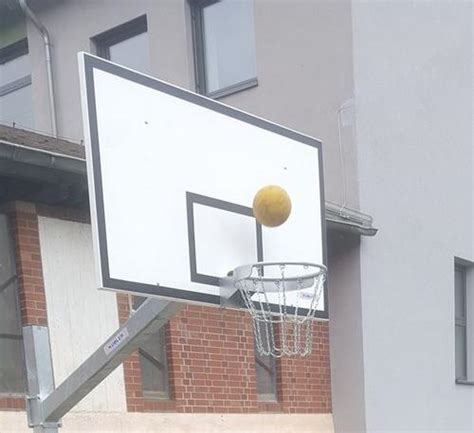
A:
{"points": [[136, 402], [23, 220], [304, 384], [12, 403], [210, 350], [211, 362], [23, 223]]}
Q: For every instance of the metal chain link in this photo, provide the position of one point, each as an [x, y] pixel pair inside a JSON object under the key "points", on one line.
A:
{"points": [[294, 319]]}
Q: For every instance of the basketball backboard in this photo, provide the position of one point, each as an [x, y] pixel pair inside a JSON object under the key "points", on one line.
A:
{"points": [[172, 176]]}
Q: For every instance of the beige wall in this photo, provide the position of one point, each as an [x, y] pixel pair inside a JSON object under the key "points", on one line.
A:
{"points": [[178, 423]]}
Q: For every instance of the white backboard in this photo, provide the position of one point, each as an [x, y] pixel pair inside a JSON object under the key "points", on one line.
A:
{"points": [[172, 176]]}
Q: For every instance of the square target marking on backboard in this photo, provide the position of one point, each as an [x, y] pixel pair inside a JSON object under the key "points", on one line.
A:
{"points": [[149, 145], [210, 232]]}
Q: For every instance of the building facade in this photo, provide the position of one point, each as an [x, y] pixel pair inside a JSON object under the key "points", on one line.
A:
{"points": [[386, 86], [204, 362]]}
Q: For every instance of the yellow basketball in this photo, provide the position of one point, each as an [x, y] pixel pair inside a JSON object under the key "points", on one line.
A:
{"points": [[271, 206]]}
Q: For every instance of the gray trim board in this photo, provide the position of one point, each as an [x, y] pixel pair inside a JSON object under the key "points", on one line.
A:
{"points": [[12, 86], [238, 87], [11, 336], [464, 382]]}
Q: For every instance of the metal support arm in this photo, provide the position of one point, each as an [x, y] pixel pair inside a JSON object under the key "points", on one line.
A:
{"points": [[47, 405]]}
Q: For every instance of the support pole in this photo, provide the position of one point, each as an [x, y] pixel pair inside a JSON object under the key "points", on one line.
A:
{"points": [[46, 405], [39, 371]]}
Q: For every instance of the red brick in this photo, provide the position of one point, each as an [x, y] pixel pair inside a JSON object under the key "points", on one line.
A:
{"points": [[211, 362], [24, 226]]}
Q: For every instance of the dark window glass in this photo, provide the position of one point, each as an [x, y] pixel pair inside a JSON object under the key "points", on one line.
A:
{"points": [[16, 99], [460, 297], [154, 367], [12, 375], [16, 107], [132, 52], [265, 366], [126, 45], [154, 362], [225, 46]]}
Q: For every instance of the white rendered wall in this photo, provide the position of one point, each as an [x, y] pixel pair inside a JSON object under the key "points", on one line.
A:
{"points": [[80, 317], [413, 93]]}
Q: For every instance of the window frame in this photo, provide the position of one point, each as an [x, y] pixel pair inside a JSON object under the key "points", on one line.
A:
{"points": [[120, 33], [164, 395], [199, 53], [9, 53], [462, 321], [272, 370], [4, 285], [135, 303], [269, 364]]}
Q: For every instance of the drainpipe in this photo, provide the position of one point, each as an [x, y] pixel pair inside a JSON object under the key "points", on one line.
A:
{"points": [[49, 70]]}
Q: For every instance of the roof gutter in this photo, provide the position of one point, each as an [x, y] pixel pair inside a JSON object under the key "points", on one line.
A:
{"points": [[49, 69], [41, 158], [341, 219], [348, 220]]}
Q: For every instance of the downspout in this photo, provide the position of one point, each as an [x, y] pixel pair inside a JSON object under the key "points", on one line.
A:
{"points": [[49, 69]]}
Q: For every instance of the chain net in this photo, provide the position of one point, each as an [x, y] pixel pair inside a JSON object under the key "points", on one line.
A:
{"points": [[282, 299]]}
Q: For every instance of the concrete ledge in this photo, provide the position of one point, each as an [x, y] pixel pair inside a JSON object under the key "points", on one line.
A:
{"points": [[97, 422]]}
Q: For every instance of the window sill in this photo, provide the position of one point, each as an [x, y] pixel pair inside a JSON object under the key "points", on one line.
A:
{"points": [[156, 396], [15, 85], [464, 382], [150, 405], [269, 406], [226, 91], [266, 398]]}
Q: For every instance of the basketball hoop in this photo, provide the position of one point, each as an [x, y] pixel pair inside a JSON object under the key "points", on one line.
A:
{"points": [[282, 299]]}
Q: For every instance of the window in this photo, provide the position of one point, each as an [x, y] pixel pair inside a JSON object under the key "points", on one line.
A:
{"points": [[224, 40], [460, 302], [154, 367], [127, 45], [265, 367], [154, 363], [12, 377], [16, 100]]}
